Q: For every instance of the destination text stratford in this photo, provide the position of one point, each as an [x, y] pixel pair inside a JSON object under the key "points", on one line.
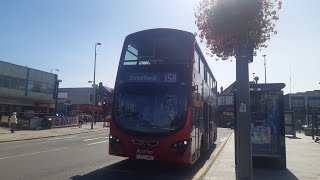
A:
{"points": [[142, 78]]}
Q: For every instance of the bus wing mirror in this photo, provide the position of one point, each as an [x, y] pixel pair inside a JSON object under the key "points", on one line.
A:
{"points": [[195, 88], [197, 102]]}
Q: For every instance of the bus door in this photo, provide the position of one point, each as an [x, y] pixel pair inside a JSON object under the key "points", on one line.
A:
{"points": [[195, 133], [210, 126], [205, 126], [196, 120]]}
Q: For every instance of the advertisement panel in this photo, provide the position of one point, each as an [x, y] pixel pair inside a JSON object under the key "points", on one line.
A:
{"points": [[265, 126], [64, 121]]}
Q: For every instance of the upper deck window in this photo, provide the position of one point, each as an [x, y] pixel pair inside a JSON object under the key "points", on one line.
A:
{"points": [[158, 50], [131, 56]]}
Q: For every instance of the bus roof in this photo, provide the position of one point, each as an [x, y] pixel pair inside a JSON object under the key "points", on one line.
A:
{"points": [[160, 31]]}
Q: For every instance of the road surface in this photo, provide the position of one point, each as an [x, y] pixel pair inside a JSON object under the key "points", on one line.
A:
{"points": [[84, 156]]}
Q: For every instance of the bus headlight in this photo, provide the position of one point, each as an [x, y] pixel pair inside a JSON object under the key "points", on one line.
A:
{"points": [[185, 142], [181, 146], [113, 139]]}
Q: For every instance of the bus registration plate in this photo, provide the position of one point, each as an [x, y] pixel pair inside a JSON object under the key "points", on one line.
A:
{"points": [[145, 157]]}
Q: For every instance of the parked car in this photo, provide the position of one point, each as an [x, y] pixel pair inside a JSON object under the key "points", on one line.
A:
{"points": [[230, 125], [304, 126]]}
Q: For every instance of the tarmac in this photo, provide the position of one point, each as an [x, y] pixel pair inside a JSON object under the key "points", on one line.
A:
{"points": [[303, 155], [21, 135], [303, 162]]}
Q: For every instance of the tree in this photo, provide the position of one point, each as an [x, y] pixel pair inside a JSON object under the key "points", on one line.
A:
{"points": [[220, 23], [238, 28]]}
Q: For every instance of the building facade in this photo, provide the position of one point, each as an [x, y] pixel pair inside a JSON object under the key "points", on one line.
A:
{"points": [[26, 91], [226, 106], [303, 104], [79, 101]]}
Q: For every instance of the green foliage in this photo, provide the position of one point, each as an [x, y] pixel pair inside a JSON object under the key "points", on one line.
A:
{"points": [[221, 21]]}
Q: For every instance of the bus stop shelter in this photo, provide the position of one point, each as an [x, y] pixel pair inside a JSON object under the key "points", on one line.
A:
{"points": [[267, 124]]}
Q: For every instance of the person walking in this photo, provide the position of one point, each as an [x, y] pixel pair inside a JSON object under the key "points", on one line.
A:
{"points": [[299, 125], [13, 121], [80, 121]]}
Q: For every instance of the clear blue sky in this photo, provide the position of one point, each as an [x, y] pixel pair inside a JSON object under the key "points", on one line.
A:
{"points": [[61, 34]]}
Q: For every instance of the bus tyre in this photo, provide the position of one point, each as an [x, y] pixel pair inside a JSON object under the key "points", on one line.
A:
{"points": [[282, 165]]}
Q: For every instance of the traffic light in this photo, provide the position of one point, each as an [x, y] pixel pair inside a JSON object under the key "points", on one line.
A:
{"points": [[105, 107]]}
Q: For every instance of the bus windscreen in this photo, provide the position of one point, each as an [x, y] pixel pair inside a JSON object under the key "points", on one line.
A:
{"points": [[151, 110], [157, 50]]}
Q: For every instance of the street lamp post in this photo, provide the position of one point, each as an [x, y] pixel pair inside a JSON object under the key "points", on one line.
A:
{"points": [[92, 110], [265, 69], [253, 76], [94, 82], [243, 150], [56, 84], [56, 92]]}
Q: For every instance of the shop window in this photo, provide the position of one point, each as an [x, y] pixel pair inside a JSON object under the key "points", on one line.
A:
{"points": [[37, 87]]}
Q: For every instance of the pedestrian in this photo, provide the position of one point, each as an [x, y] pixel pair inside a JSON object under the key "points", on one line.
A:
{"points": [[104, 122], [80, 121], [108, 120], [299, 125], [13, 121]]}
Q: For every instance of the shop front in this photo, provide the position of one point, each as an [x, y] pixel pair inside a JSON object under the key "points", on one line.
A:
{"points": [[86, 111], [25, 108]]}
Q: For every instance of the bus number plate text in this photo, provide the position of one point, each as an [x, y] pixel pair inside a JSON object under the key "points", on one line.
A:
{"points": [[145, 157]]}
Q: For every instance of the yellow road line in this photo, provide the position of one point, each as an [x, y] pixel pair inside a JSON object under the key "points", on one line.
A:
{"points": [[213, 156]]}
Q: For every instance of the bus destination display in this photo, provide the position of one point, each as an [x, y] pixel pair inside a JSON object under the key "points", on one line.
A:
{"points": [[168, 77]]}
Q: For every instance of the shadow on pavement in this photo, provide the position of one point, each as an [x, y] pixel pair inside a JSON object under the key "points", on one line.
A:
{"points": [[292, 137], [140, 169], [270, 168], [267, 174]]}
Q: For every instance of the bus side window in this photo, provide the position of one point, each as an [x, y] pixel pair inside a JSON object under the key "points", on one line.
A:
{"points": [[201, 68], [196, 60]]}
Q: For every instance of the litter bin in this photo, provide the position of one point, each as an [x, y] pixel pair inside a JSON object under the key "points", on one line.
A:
{"points": [[46, 123], [49, 124]]}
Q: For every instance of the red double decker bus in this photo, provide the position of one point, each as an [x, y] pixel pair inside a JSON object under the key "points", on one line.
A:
{"points": [[165, 99]]}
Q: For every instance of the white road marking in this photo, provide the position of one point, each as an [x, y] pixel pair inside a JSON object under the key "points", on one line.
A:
{"points": [[28, 154], [71, 137], [98, 142], [96, 138]]}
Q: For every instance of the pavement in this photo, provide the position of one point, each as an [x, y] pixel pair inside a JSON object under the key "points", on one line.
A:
{"points": [[303, 162], [21, 135]]}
